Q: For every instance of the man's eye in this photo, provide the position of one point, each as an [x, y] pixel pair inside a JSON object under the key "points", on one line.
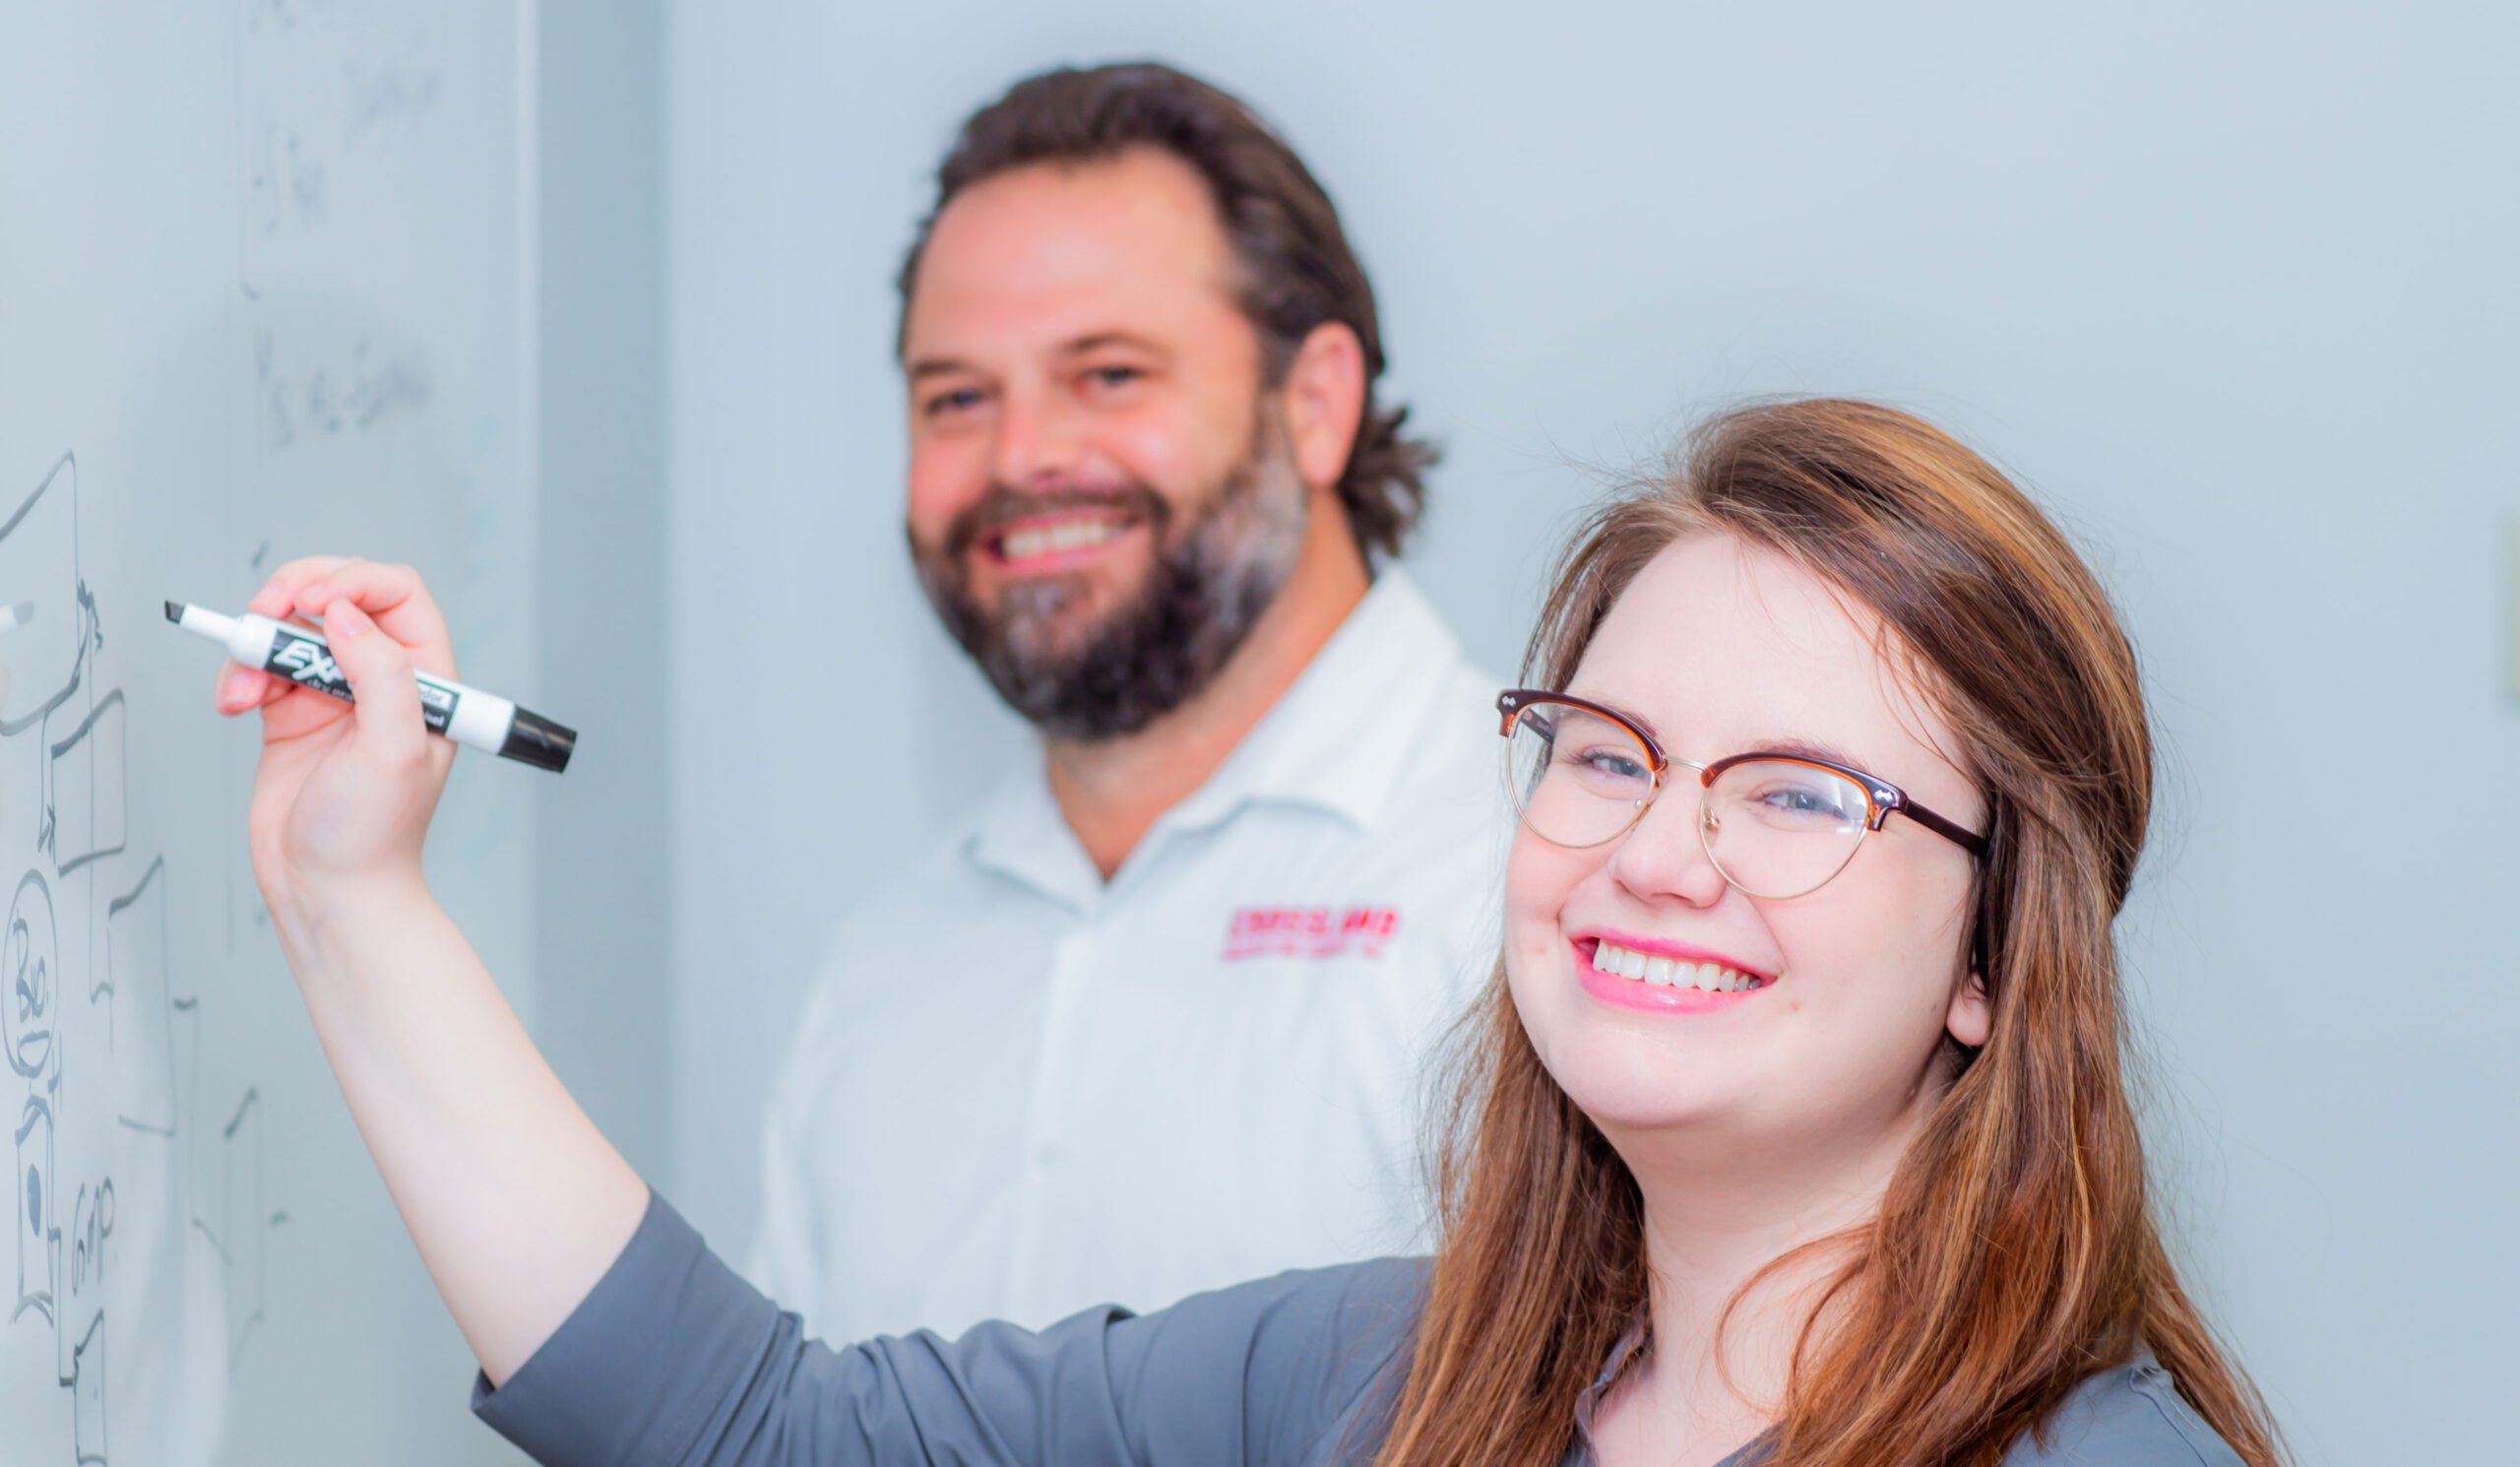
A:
{"points": [[1114, 376], [959, 400]]}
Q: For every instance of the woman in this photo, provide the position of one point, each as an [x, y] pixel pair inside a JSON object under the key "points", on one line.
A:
{"points": [[1792, 1133]]}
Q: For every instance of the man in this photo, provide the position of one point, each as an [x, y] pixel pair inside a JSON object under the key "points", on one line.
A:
{"points": [[1157, 1021]]}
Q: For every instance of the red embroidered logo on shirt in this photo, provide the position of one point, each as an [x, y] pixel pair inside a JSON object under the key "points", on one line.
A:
{"points": [[1310, 932]]}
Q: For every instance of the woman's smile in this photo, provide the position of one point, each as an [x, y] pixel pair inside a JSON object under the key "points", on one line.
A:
{"points": [[1662, 977]]}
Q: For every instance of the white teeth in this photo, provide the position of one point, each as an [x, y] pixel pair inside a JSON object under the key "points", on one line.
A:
{"points": [[1667, 973], [1023, 545]]}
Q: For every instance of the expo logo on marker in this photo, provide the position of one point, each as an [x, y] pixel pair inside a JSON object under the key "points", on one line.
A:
{"points": [[307, 662]]}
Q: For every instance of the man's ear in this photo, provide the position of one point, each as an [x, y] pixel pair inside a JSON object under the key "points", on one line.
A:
{"points": [[1325, 400], [1972, 1016]]}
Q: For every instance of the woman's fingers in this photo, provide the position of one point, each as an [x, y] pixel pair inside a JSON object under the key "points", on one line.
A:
{"points": [[379, 669], [279, 596], [242, 689], [393, 597]]}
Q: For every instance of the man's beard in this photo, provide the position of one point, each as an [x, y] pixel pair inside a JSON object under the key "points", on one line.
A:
{"points": [[1206, 590]]}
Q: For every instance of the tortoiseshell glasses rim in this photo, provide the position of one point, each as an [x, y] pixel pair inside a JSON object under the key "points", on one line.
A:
{"points": [[1882, 797]]}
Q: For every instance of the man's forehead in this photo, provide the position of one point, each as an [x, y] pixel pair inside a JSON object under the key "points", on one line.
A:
{"points": [[1065, 251]]}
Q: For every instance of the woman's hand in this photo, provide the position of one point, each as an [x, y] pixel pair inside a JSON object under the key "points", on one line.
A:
{"points": [[343, 798]]}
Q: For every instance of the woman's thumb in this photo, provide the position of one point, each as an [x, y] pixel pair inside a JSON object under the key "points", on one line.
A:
{"points": [[380, 673]]}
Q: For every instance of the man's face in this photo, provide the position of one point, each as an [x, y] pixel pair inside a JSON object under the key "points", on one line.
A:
{"points": [[1100, 496]]}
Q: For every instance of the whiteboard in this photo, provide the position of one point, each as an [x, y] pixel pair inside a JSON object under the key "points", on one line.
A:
{"points": [[265, 291]]}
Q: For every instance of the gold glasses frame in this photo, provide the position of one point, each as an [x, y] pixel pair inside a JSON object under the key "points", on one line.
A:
{"points": [[1882, 799]]}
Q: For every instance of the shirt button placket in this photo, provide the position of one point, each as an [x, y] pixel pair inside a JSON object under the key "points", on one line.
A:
{"points": [[1044, 1121]]}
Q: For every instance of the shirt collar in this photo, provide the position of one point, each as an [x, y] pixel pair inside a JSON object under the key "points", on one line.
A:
{"points": [[1339, 737], [1629, 1353], [1622, 1355], [1021, 835], [1336, 741]]}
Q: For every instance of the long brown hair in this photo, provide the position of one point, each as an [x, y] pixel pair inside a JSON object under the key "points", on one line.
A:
{"points": [[2015, 1252]]}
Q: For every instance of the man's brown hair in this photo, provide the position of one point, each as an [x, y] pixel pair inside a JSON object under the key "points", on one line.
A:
{"points": [[1297, 267]]}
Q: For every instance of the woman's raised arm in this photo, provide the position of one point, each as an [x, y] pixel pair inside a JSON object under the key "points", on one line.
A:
{"points": [[518, 1203]]}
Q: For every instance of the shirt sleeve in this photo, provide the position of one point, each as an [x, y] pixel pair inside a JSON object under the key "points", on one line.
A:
{"points": [[2130, 1416], [674, 1360]]}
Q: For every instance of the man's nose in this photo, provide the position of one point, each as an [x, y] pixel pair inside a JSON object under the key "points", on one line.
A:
{"points": [[1039, 441]]}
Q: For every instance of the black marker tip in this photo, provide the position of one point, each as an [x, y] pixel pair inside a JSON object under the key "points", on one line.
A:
{"points": [[175, 612]]}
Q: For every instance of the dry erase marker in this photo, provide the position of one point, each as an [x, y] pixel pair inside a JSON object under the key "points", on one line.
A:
{"points": [[469, 716], [13, 617]]}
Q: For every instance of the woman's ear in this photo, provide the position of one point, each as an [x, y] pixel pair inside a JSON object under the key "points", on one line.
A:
{"points": [[1972, 1016]]}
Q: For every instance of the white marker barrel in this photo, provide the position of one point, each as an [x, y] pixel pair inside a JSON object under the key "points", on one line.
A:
{"points": [[466, 715]]}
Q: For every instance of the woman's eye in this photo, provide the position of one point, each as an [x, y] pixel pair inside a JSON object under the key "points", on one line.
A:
{"points": [[1606, 762], [1802, 799]]}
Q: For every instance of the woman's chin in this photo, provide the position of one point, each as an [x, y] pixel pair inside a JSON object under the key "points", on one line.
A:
{"points": [[1619, 1090], [1620, 1075], [1657, 1115]]}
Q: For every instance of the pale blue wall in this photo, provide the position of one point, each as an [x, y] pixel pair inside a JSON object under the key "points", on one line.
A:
{"points": [[2232, 288], [604, 834]]}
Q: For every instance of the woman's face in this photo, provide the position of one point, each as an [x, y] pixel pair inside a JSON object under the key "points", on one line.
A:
{"points": [[1720, 648]]}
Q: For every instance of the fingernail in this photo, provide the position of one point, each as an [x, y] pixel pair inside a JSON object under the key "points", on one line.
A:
{"points": [[344, 622], [232, 689]]}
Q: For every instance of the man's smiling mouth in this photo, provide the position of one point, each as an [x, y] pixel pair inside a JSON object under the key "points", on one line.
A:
{"points": [[1055, 541]]}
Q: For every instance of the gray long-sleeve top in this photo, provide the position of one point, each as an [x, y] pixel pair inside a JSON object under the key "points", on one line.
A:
{"points": [[673, 1360]]}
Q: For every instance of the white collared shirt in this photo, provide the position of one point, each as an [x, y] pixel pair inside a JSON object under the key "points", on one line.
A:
{"points": [[1019, 1091]]}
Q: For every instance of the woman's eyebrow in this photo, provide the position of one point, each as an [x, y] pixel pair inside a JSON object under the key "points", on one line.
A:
{"points": [[1629, 714], [1787, 744], [1805, 748]]}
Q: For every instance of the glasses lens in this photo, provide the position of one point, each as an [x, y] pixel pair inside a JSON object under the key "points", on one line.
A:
{"points": [[1779, 827], [1578, 779]]}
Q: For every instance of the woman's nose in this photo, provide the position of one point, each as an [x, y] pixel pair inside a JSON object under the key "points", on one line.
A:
{"points": [[1662, 855]]}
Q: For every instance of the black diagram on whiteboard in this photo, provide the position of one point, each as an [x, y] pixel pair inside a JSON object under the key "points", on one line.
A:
{"points": [[100, 1023]]}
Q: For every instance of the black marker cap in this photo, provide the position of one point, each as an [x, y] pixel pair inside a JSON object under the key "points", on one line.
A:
{"points": [[536, 741]]}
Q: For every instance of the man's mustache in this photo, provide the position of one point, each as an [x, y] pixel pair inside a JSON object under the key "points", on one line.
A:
{"points": [[1002, 506]]}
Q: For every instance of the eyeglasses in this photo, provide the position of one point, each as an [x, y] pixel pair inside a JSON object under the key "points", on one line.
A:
{"points": [[1774, 825]]}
